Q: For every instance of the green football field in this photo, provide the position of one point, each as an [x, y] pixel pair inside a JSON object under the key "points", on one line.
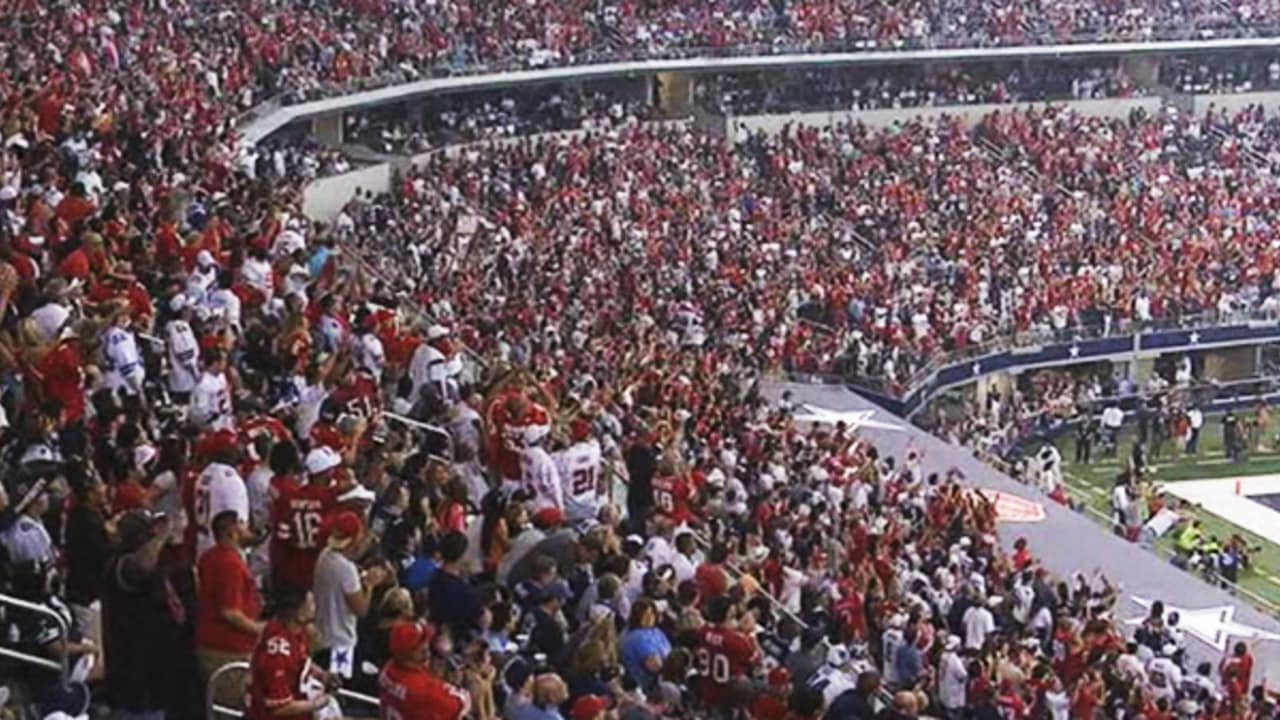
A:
{"points": [[1092, 483]]}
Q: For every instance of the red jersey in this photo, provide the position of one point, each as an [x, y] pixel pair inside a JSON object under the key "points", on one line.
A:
{"points": [[722, 655], [507, 434], [671, 496], [276, 672], [413, 693], [295, 542], [323, 433], [258, 425]]}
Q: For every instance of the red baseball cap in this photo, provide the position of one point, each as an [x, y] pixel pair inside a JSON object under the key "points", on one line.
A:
{"points": [[548, 517], [342, 528], [588, 707], [779, 676], [406, 637]]}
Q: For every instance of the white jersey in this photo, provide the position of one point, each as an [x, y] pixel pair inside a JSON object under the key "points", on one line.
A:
{"points": [[540, 478], [430, 366], [122, 364], [1164, 677], [579, 466], [832, 683], [184, 356], [370, 354], [211, 402], [218, 489]]}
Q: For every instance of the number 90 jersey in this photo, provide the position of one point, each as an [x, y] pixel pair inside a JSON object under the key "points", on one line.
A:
{"points": [[722, 656]]}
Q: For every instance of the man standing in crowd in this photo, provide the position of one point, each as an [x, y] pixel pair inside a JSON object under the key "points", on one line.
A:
{"points": [[342, 593], [142, 623], [227, 605], [298, 514]]}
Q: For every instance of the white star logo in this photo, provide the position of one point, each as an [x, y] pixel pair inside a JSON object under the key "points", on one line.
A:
{"points": [[1194, 337], [1213, 626], [977, 368], [854, 419], [1074, 351]]}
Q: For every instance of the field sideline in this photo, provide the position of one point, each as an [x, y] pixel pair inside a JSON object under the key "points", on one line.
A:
{"points": [[1092, 484]]}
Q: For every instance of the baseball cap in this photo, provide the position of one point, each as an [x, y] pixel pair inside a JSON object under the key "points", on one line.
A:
{"points": [[548, 517], [779, 676], [322, 459], [588, 707], [406, 637], [343, 528]]}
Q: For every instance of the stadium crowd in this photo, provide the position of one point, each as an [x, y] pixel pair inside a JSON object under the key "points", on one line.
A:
{"points": [[234, 434], [294, 51]]}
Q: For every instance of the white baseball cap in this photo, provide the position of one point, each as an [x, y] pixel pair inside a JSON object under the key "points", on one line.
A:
{"points": [[322, 459]]}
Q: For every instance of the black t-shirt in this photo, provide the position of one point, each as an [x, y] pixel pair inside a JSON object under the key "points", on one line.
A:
{"points": [[546, 635], [87, 554]]}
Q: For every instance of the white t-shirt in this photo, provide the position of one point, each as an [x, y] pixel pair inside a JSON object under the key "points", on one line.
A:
{"points": [[336, 577], [219, 488], [49, 318], [579, 466], [978, 623], [952, 679]]}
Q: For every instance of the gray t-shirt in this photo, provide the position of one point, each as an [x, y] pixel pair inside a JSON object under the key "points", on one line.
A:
{"points": [[336, 577]]}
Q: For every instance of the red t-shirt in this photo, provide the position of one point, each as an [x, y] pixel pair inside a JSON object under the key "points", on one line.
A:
{"points": [[62, 379], [413, 693], [295, 541], [225, 583], [671, 495], [276, 672], [767, 706], [722, 655], [1085, 702]]}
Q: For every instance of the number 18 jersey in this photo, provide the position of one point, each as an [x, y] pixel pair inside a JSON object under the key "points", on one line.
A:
{"points": [[295, 543]]}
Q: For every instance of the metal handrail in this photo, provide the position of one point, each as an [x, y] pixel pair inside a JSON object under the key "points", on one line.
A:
{"points": [[64, 630], [213, 709]]}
